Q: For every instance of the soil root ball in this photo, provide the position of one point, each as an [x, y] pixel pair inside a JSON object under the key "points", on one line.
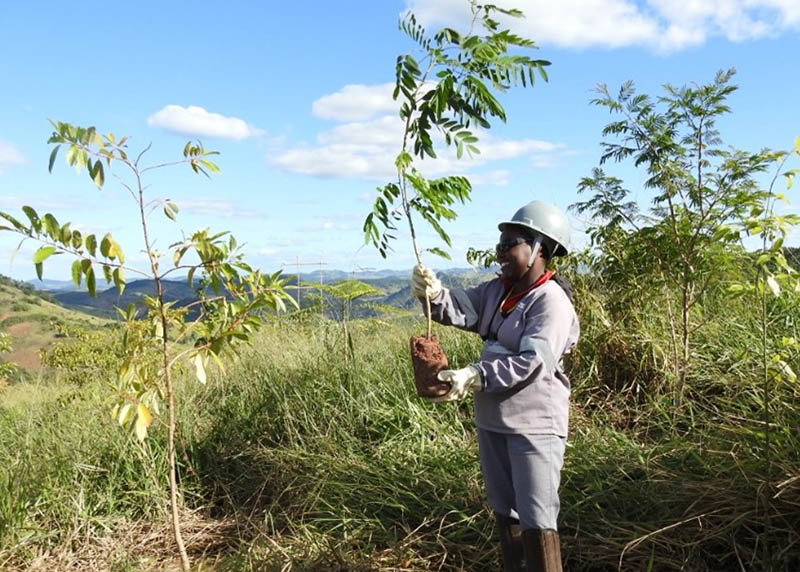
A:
{"points": [[428, 359]]}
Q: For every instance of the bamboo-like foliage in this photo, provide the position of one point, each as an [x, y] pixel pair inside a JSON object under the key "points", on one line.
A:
{"points": [[707, 199], [451, 91]]}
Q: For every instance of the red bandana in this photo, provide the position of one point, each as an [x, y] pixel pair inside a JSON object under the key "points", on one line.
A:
{"points": [[510, 302]]}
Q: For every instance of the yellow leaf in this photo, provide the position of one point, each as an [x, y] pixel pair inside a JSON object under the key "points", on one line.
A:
{"points": [[143, 421], [144, 414], [773, 285], [784, 369], [123, 413], [200, 368]]}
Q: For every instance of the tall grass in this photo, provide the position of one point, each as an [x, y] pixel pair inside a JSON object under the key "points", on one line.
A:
{"points": [[297, 459]]}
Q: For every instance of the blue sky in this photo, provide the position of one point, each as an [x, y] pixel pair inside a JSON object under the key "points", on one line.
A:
{"points": [[296, 97]]}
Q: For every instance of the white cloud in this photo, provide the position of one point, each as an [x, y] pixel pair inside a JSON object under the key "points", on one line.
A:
{"points": [[356, 102], [326, 226], [336, 161], [216, 207], [661, 25], [367, 150], [9, 156], [496, 178], [495, 150], [197, 122], [378, 134]]}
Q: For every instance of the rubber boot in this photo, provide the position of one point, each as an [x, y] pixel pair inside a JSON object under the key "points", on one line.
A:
{"points": [[542, 550], [510, 543]]}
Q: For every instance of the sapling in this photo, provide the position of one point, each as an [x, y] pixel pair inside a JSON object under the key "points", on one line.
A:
{"points": [[450, 91], [157, 340]]}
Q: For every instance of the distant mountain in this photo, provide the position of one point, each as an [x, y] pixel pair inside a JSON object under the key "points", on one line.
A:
{"points": [[106, 302], [369, 276], [394, 285]]}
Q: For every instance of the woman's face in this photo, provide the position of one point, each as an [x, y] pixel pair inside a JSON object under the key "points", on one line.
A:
{"points": [[513, 253]]}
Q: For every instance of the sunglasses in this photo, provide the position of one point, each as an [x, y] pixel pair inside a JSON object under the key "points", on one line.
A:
{"points": [[505, 245]]}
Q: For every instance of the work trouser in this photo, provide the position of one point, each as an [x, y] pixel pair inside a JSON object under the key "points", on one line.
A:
{"points": [[522, 474]]}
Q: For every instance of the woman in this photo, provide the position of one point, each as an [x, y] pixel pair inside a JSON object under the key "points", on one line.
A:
{"points": [[527, 322]]}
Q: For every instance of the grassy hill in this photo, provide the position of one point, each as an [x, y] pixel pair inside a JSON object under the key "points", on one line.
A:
{"points": [[28, 318]]}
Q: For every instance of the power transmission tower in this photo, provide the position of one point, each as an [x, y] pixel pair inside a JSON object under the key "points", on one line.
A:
{"points": [[297, 264]]}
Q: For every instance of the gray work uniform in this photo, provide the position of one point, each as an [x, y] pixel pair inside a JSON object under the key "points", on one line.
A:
{"points": [[522, 411]]}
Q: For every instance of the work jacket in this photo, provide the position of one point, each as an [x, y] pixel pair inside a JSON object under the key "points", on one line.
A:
{"points": [[525, 389]]}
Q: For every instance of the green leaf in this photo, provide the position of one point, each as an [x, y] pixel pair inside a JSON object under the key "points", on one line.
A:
{"points": [[43, 254], [76, 272], [118, 251], [39, 268], [211, 166], [17, 225], [90, 282], [105, 246], [91, 244], [51, 226], [439, 252], [32, 216], [53, 154], [72, 153], [97, 174], [119, 280]]}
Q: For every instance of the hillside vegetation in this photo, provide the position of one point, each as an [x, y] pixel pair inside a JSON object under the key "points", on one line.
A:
{"points": [[31, 322], [300, 459]]}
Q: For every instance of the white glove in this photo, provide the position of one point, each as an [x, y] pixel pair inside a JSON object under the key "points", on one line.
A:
{"points": [[463, 380], [424, 282]]}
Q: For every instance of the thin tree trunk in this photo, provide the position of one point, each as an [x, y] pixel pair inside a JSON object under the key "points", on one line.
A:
{"points": [[407, 209], [673, 336], [767, 488], [685, 301], [173, 482]]}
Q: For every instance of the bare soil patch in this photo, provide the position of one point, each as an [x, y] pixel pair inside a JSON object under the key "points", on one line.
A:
{"points": [[27, 359], [20, 330]]}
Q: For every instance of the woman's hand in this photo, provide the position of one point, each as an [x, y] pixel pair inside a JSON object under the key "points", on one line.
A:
{"points": [[462, 381], [424, 283]]}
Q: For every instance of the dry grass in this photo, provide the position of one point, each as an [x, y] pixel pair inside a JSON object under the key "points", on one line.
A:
{"points": [[143, 546]]}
